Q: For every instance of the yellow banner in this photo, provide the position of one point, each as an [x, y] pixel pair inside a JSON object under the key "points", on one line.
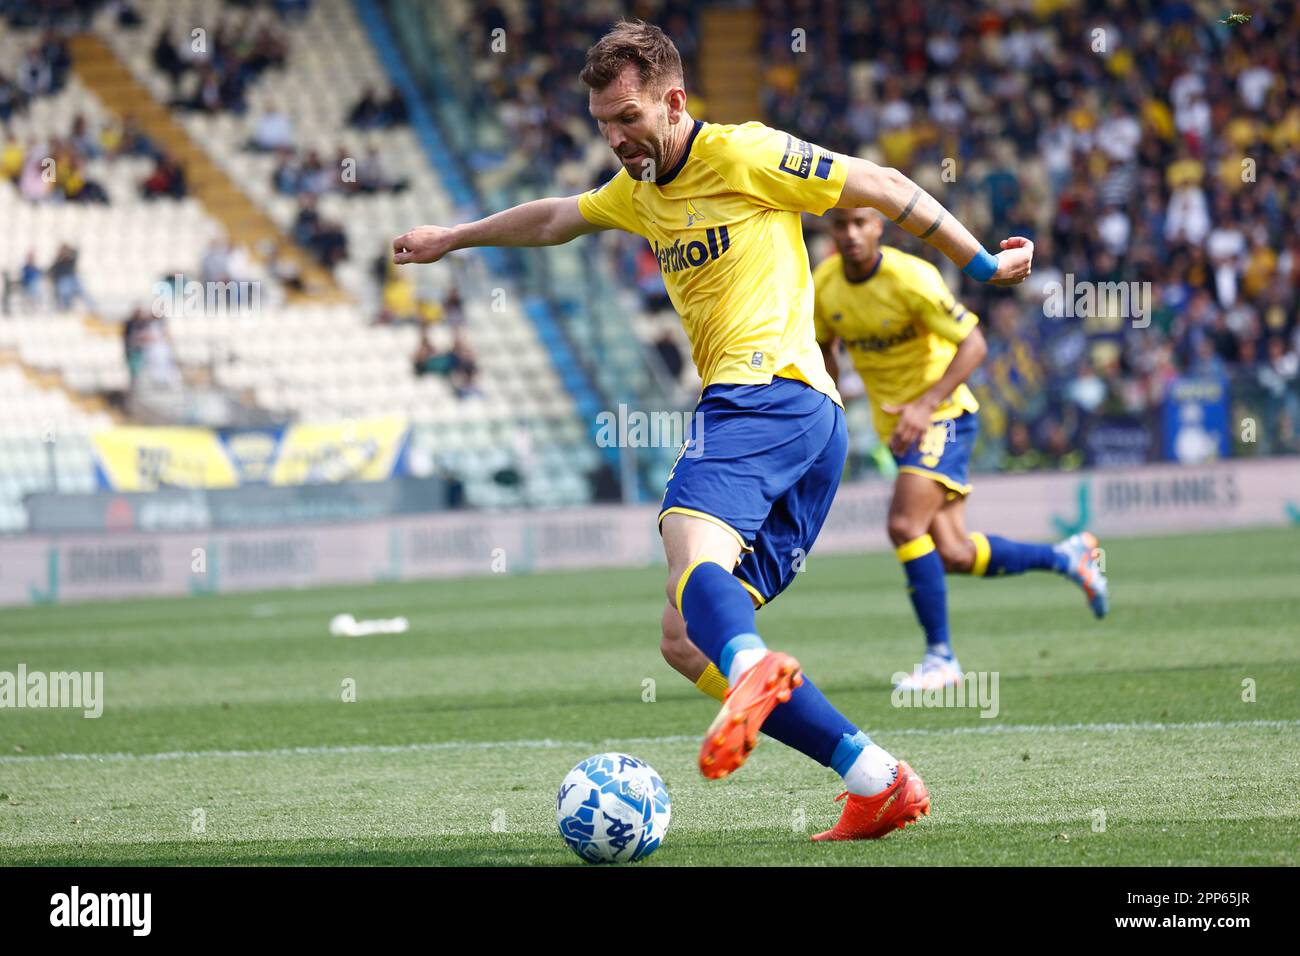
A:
{"points": [[339, 451], [145, 459]]}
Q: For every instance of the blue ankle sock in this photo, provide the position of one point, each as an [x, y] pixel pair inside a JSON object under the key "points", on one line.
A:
{"points": [[720, 621], [995, 556], [848, 750], [928, 590]]}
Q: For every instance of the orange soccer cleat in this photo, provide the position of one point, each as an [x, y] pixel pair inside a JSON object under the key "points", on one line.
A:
{"points": [[870, 818], [734, 732]]}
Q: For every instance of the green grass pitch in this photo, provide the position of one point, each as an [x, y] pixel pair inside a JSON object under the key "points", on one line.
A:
{"points": [[463, 728]]}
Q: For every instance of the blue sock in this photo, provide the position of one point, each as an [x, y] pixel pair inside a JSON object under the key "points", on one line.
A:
{"points": [[720, 621], [928, 590], [719, 612], [995, 556], [811, 725]]}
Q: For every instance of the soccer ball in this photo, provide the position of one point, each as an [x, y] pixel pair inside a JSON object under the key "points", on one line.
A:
{"points": [[613, 808]]}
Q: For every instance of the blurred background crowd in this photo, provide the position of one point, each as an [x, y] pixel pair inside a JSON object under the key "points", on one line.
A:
{"points": [[272, 149], [1132, 142]]}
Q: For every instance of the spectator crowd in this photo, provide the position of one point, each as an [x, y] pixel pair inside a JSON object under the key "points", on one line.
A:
{"points": [[1147, 142], [1136, 143], [1143, 142]]}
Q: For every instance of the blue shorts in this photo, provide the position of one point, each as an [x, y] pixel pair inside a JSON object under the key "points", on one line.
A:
{"points": [[763, 461], [943, 453]]}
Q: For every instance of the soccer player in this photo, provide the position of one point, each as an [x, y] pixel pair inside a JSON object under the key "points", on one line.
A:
{"points": [[914, 345], [720, 206]]}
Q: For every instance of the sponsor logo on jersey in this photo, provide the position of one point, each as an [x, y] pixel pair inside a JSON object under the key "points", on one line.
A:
{"points": [[881, 343], [688, 255], [797, 160]]}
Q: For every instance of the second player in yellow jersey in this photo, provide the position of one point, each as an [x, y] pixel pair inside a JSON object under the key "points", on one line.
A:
{"points": [[914, 345], [901, 327]]}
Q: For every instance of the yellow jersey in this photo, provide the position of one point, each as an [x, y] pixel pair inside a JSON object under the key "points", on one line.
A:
{"points": [[900, 325], [724, 224]]}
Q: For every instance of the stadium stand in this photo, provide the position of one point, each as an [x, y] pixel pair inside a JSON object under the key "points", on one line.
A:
{"points": [[1059, 109], [1064, 110], [286, 339], [192, 140]]}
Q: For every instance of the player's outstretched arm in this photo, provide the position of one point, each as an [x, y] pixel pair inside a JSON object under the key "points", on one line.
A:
{"points": [[911, 207], [542, 222]]}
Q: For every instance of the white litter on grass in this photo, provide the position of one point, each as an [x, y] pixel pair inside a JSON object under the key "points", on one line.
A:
{"points": [[345, 625]]}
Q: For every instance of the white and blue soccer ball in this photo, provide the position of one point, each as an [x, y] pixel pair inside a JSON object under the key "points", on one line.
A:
{"points": [[613, 808]]}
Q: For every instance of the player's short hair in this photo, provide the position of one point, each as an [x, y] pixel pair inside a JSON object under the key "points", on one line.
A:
{"points": [[640, 44]]}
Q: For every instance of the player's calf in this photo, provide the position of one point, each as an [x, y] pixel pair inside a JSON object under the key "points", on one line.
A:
{"points": [[958, 555], [688, 660], [912, 512], [928, 592]]}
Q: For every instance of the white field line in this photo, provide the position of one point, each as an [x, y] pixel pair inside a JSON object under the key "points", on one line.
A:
{"points": [[546, 744]]}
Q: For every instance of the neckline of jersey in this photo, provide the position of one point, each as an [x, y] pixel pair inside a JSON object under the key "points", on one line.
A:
{"points": [[686, 154], [875, 266]]}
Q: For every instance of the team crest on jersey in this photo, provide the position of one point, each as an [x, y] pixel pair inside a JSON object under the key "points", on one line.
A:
{"points": [[692, 214]]}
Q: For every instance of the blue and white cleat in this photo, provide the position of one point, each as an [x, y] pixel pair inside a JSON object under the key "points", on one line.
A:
{"points": [[933, 673], [1083, 568]]}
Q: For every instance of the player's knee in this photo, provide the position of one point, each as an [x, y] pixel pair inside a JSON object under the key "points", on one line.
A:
{"points": [[675, 578], [903, 528], [958, 556], [675, 572]]}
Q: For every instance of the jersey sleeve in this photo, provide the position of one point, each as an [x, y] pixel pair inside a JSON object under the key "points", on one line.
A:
{"points": [[938, 308], [610, 206], [778, 170]]}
